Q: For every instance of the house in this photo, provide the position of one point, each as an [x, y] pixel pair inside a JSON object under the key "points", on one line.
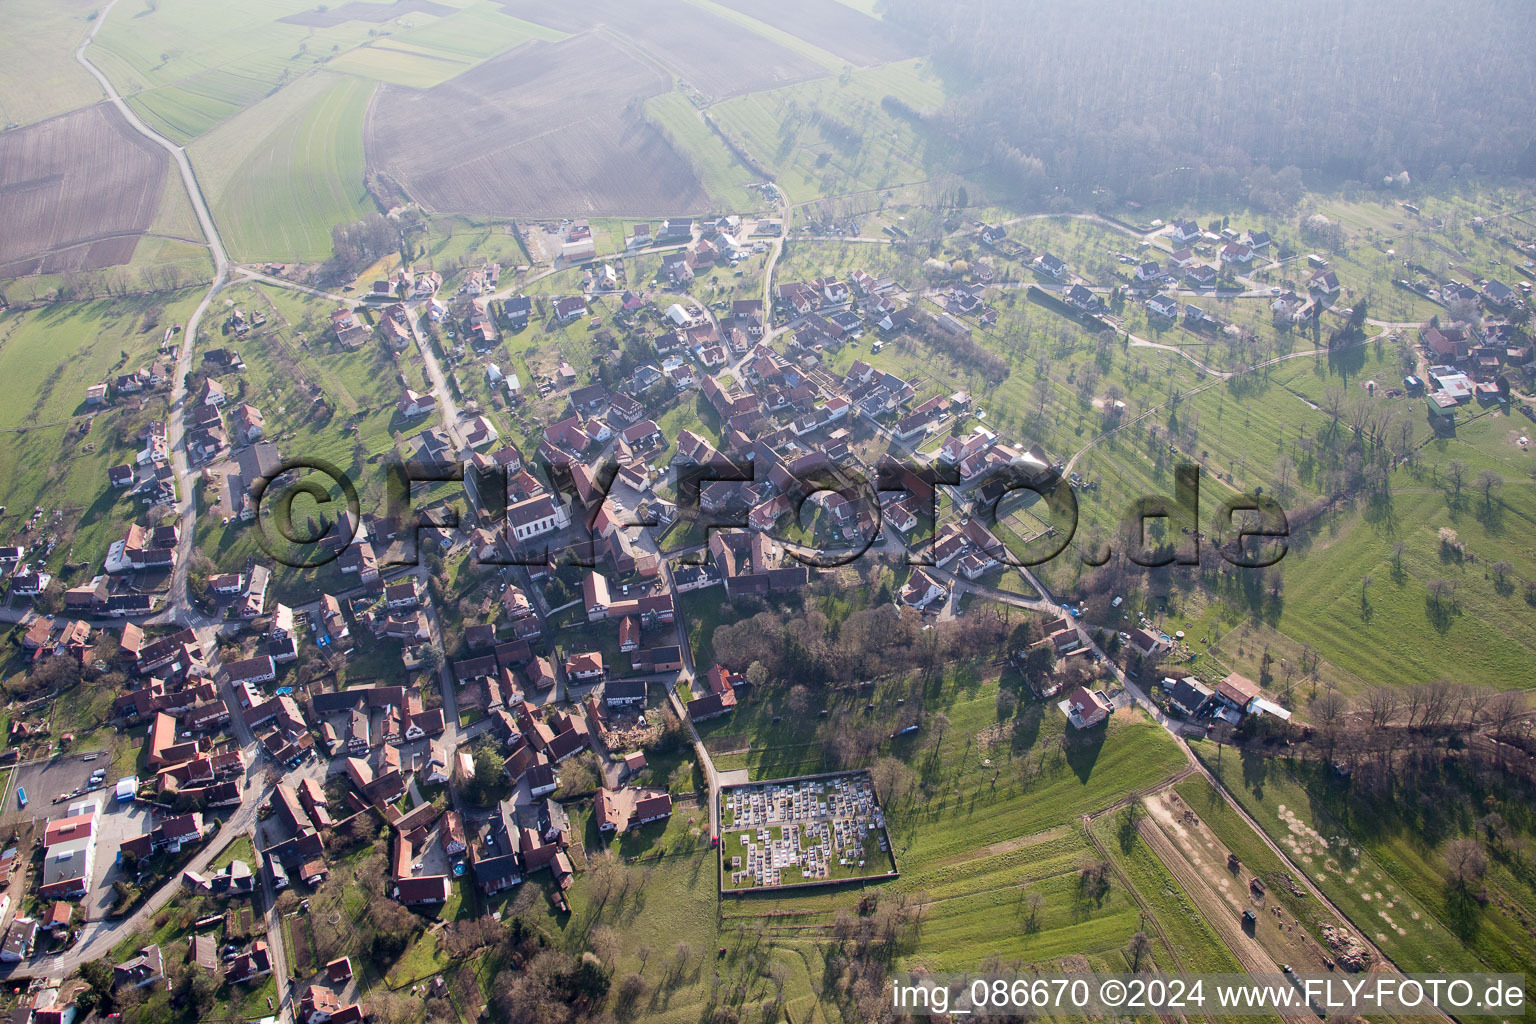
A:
{"points": [[1325, 282], [1186, 231], [250, 965], [1081, 298], [413, 404], [261, 669], [211, 393], [1086, 708], [1164, 306], [541, 780], [585, 667], [711, 705], [350, 332], [145, 968], [1200, 275], [922, 589], [654, 660], [69, 848], [572, 307], [619, 693], [250, 424], [1149, 271], [422, 891], [1146, 643], [401, 595], [19, 940], [1187, 695], [1050, 265], [1498, 295], [617, 811], [1238, 693], [1236, 253]]}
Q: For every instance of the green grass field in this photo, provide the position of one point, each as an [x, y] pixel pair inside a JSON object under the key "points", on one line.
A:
{"points": [[187, 67], [722, 174], [1390, 885], [39, 76], [281, 174], [477, 31], [56, 454], [794, 131]]}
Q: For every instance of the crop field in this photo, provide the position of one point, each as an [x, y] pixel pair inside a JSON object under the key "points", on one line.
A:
{"points": [[831, 136], [189, 108], [534, 132], [398, 63], [283, 172], [76, 192], [442, 49], [53, 454], [39, 76], [850, 34], [357, 10], [186, 66], [477, 31], [709, 53]]}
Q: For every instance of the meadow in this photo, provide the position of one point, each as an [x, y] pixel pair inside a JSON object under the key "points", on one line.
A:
{"points": [[722, 174], [832, 135], [186, 67], [1388, 881], [294, 359], [57, 453], [39, 76], [283, 172]]}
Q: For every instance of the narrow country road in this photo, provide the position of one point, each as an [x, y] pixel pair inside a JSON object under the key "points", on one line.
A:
{"points": [[178, 610]]}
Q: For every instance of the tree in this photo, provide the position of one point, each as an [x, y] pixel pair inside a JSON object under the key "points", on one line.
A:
{"points": [[1457, 471], [1034, 903], [1501, 571], [1382, 703], [757, 675], [1466, 862], [1140, 949], [1488, 481], [798, 700], [1328, 713], [606, 943], [632, 989]]}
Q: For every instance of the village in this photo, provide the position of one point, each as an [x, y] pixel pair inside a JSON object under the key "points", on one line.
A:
{"points": [[593, 528]]}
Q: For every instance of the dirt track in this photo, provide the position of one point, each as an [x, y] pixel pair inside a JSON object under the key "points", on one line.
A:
{"points": [[1219, 909]]}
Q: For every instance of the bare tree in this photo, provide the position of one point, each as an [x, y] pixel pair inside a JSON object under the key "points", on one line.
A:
{"points": [[1457, 471], [1140, 949], [1382, 703], [1504, 710], [1467, 862], [1488, 481]]}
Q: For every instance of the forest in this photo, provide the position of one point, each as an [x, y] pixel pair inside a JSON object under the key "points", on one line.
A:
{"points": [[1185, 101]]}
